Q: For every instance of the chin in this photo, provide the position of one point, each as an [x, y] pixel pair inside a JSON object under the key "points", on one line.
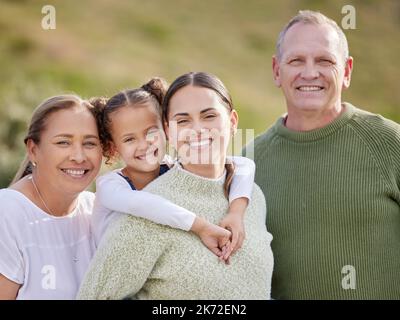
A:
{"points": [[310, 106], [74, 189], [148, 168]]}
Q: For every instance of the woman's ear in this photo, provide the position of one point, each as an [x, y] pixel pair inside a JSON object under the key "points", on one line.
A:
{"points": [[234, 121], [31, 150]]}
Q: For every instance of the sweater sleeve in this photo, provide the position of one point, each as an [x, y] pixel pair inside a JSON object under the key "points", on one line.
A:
{"points": [[123, 263], [243, 179], [116, 195], [396, 158]]}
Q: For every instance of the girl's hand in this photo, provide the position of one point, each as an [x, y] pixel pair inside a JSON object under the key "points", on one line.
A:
{"points": [[233, 222], [215, 238]]}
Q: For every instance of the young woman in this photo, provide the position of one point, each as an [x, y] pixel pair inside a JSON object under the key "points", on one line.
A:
{"points": [[141, 259], [45, 241], [132, 131]]}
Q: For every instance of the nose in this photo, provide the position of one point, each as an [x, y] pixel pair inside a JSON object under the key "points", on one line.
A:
{"points": [[143, 144], [78, 154], [310, 71], [198, 128]]}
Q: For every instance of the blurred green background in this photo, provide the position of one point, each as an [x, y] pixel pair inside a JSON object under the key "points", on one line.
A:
{"points": [[100, 47]]}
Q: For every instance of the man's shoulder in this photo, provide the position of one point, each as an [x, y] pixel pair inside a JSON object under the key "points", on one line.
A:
{"points": [[376, 126], [266, 136], [262, 141]]}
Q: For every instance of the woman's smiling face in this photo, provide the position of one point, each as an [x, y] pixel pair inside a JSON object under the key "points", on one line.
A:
{"points": [[199, 125], [68, 155]]}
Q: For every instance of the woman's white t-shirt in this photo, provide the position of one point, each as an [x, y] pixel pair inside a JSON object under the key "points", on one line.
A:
{"points": [[47, 255]]}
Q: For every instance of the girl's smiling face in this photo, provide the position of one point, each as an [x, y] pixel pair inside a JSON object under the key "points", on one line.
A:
{"points": [[138, 137]]}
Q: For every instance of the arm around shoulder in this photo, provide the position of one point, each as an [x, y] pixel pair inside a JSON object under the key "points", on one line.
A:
{"points": [[114, 193]]}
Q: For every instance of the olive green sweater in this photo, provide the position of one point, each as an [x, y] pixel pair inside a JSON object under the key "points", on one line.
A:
{"points": [[333, 206], [139, 258]]}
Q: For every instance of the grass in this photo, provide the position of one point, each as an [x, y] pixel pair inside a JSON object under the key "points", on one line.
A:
{"points": [[100, 47]]}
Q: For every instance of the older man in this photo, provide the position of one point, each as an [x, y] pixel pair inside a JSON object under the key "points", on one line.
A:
{"points": [[330, 173]]}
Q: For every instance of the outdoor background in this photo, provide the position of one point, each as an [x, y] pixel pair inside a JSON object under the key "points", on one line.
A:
{"points": [[100, 47]]}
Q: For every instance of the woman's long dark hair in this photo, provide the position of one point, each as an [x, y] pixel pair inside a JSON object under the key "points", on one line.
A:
{"points": [[209, 81]]}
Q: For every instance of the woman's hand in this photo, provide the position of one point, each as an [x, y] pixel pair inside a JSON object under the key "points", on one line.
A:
{"points": [[215, 238], [233, 222]]}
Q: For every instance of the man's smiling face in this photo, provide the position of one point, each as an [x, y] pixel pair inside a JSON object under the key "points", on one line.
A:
{"points": [[312, 69]]}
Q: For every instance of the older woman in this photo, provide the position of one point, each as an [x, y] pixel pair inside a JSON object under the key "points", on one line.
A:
{"points": [[45, 241], [138, 258]]}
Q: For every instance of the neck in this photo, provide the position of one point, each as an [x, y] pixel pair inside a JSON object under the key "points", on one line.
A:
{"points": [[306, 120], [50, 200], [212, 171], [140, 179]]}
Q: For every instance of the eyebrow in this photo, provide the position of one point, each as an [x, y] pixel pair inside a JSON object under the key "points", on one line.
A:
{"points": [[127, 135], [132, 134], [186, 114], [66, 135]]}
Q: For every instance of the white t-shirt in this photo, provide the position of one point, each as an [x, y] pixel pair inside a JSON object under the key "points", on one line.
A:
{"points": [[115, 196], [47, 255]]}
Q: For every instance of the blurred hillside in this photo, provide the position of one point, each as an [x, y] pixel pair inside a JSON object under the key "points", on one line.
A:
{"points": [[100, 47]]}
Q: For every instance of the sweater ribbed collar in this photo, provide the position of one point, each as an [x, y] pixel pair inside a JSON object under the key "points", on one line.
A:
{"points": [[317, 134], [194, 177]]}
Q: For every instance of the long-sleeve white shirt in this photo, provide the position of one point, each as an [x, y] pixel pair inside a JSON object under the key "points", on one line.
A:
{"points": [[115, 196]]}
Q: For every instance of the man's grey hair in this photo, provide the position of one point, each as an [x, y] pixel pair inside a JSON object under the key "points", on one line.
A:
{"points": [[316, 18]]}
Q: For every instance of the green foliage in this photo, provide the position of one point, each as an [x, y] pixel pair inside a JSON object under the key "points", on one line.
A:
{"points": [[100, 47]]}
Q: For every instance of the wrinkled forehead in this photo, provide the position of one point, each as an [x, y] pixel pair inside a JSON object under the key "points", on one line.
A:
{"points": [[311, 39], [77, 120]]}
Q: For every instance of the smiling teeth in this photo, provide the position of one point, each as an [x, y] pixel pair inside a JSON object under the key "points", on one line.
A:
{"points": [[199, 143], [308, 88], [74, 172]]}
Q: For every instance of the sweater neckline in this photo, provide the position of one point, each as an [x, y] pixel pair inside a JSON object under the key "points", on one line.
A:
{"points": [[316, 134], [190, 175]]}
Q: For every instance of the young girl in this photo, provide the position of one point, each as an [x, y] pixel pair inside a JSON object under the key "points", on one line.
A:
{"points": [[132, 131]]}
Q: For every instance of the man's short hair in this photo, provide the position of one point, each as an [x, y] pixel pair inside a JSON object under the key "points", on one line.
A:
{"points": [[316, 18]]}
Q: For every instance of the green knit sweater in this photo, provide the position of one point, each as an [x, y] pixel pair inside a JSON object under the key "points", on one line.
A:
{"points": [[333, 206], [141, 259]]}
